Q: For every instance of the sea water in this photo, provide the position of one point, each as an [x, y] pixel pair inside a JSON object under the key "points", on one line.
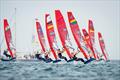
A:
{"points": [[35, 70]]}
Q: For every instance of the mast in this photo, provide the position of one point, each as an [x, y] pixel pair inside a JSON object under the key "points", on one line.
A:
{"points": [[15, 31], [0, 39]]}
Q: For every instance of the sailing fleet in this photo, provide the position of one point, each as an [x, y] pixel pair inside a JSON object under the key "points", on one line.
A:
{"points": [[85, 41]]}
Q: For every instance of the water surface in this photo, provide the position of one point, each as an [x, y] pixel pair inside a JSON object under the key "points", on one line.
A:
{"points": [[35, 70]]}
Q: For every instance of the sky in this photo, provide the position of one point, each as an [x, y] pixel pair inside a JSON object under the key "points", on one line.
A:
{"points": [[105, 15]]}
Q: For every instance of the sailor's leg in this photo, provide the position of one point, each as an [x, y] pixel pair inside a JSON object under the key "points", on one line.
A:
{"points": [[62, 57], [40, 58], [48, 60], [88, 61]]}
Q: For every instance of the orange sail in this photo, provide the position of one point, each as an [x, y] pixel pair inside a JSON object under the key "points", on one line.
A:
{"points": [[50, 34], [62, 30]]}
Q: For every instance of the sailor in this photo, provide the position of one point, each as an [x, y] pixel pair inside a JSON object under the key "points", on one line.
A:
{"points": [[75, 57], [59, 52], [46, 57], [90, 59], [80, 59], [39, 56], [7, 55]]}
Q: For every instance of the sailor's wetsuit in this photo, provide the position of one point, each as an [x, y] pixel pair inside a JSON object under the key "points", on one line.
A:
{"points": [[88, 61], [46, 59], [82, 60], [78, 59], [7, 55], [62, 57]]}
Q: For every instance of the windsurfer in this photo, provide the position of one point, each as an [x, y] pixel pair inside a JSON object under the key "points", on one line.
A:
{"points": [[74, 57], [8, 57], [6, 54], [46, 57], [82, 60], [73, 53], [39, 56], [60, 54], [90, 59]]}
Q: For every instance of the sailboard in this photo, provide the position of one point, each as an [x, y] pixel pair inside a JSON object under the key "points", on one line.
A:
{"points": [[102, 46], [40, 35], [77, 34], [50, 34], [91, 32], [8, 38], [62, 30], [87, 38]]}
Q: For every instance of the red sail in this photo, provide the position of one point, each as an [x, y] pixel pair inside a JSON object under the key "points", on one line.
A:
{"points": [[76, 33], [91, 32], [50, 33], [8, 36], [40, 36], [87, 38], [102, 46], [62, 30]]}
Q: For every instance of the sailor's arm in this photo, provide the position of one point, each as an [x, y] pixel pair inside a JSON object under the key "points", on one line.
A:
{"points": [[48, 52]]}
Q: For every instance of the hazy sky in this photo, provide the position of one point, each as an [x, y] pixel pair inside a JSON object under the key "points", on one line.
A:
{"points": [[104, 13]]}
